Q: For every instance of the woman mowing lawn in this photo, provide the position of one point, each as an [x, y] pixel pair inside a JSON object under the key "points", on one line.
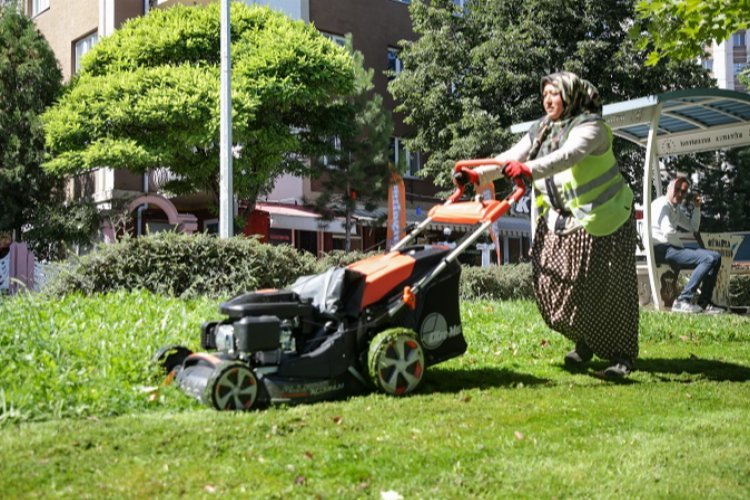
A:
{"points": [[583, 254]]}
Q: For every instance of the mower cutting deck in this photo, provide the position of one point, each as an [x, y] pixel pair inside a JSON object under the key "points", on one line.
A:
{"points": [[377, 323]]}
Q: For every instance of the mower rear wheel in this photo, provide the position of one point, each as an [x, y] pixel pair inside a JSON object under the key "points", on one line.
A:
{"points": [[395, 361], [231, 386]]}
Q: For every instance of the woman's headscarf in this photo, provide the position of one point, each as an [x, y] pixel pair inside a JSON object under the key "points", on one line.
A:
{"points": [[581, 103]]}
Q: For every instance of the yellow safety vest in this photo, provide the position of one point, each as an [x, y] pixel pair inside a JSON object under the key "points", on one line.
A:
{"points": [[595, 192]]}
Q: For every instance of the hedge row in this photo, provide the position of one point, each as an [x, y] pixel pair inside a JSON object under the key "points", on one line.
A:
{"points": [[192, 265], [180, 265]]}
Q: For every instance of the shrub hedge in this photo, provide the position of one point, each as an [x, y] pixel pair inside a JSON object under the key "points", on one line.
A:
{"points": [[187, 266], [739, 289], [182, 265], [508, 282]]}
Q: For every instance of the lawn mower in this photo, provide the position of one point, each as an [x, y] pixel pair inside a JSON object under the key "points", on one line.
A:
{"points": [[377, 323]]}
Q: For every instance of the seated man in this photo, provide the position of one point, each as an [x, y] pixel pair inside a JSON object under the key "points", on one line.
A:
{"points": [[667, 218]]}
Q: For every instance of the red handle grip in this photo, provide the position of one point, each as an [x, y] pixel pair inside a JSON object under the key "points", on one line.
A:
{"points": [[460, 165]]}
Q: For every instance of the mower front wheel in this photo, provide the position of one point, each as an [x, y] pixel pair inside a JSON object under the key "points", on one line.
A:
{"points": [[395, 361], [231, 386]]}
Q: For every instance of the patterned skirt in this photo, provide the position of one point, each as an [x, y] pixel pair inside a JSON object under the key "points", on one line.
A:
{"points": [[586, 287]]}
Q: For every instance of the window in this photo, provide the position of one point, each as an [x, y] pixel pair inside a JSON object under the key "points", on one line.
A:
{"points": [[335, 144], [394, 63], [82, 46], [211, 226], [708, 64], [38, 6], [738, 39], [337, 39], [399, 155]]}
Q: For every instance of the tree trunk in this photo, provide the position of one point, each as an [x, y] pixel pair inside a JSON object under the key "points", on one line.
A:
{"points": [[348, 220]]}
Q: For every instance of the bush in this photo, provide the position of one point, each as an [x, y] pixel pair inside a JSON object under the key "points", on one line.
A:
{"points": [[739, 290], [180, 265], [340, 258], [508, 282], [183, 265]]}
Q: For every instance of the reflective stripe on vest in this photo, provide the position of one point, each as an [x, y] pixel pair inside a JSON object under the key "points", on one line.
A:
{"points": [[596, 193]]}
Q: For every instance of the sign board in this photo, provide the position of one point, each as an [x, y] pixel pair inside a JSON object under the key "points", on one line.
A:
{"points": [[728, 136]]}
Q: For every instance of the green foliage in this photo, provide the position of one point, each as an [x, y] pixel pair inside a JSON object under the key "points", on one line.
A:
{"points": [[30, 80], [78, 356], [473, 73], [681, 29], [183, 265], [508, 282], [148, 97], [53, 228], [739, 290], [340, 258], [356, 169]]}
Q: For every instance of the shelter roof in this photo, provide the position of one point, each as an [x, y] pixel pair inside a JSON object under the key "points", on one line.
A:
{"points": [[687, 121]]}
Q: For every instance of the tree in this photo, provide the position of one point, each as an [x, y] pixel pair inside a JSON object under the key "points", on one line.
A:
{"points": [[355, 167], [148, 97], [30, 80], [681, 29], [474, 72]]}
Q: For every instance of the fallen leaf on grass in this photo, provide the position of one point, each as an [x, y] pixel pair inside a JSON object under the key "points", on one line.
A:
{"points": [[544, 343], [337, 420], [309, 455], [210, 488], [519, 435], [391, 495], [300, 480]]}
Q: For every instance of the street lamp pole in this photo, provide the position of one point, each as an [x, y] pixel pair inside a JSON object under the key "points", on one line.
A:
{"points": [[226, 192]]}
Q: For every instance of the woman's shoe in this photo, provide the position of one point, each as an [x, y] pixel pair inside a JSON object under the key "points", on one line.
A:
{"points": [[580, 355], [620, 369]]}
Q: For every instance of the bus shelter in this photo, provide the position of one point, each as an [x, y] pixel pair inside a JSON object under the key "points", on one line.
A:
{"points": [[669, 124]]}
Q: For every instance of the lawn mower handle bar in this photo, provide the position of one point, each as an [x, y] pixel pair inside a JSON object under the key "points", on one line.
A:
{"points": [[511, 199]]}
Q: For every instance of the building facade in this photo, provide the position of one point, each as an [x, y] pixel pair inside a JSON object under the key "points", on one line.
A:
{"points": [[726, 60]]}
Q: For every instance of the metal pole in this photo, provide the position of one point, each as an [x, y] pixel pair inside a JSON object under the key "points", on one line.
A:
{"points": [[226, 198], [650, 175]]}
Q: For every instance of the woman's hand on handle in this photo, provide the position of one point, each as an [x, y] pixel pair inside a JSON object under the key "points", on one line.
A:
{"points": [[464, 176], [514, 169]]}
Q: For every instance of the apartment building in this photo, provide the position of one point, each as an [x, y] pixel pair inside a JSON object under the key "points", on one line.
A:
{"points": [[726, 60]]}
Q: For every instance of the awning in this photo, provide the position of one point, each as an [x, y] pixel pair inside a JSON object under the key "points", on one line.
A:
{"points": [[300, 218]]}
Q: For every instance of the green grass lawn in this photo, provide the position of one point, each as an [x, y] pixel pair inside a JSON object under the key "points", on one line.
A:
{"points": [[504, 420]]}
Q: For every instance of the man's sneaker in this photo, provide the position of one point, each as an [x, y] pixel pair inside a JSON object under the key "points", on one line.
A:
{"points": [[619, 370], [681, 306], [713, 309], [578, 356]]}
